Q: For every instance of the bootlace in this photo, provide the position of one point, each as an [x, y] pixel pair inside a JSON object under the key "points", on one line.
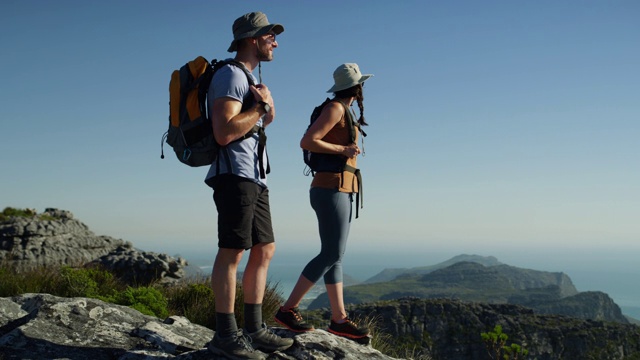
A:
{"points": [[297, 315], [270, 333], [350, 323], [244, 340]]}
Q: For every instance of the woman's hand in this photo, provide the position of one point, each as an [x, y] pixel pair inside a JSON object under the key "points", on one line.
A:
{"points": [[351, 151]]}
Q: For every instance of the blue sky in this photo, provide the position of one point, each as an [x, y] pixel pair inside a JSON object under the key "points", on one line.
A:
{"points": [[496, 127]]}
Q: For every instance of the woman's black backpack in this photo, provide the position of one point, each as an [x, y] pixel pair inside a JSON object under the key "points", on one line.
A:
{"points": [[318, 162]]}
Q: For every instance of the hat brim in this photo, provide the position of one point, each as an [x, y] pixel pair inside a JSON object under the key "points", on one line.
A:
{"points": [[337, 87], [276, 28]]}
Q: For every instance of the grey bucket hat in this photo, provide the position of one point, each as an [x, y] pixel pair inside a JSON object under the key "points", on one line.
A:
{"points": [[250, 25], [346, 76]]}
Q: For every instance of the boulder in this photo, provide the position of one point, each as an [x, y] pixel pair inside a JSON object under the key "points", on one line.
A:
{"points": [[54, 238], [43, 326]]}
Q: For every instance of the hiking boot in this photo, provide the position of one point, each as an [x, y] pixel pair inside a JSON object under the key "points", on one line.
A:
{"points": [[265, 340], [348, 329], [292, 320], [234, 347]]}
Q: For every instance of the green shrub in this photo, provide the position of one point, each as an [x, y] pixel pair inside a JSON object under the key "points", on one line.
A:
{"points": [[195, 301], [496, 342], [77, 283], [62, 281], [147, 300], [10, 212], [87, 282], [41, 280]]}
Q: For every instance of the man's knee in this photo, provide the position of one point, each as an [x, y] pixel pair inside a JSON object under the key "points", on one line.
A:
{"points": [[229, 256], [262, 252]]}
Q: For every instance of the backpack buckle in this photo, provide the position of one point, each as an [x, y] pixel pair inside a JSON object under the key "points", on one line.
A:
{"points": [[186, 154]]}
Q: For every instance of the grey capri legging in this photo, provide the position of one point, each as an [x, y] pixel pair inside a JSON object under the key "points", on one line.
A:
{"points": [[333, 209]]}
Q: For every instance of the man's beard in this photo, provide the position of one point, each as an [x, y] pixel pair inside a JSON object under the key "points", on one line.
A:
{"points": [[264, 55]]}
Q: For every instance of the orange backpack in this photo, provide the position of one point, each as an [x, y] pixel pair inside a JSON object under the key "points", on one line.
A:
{"points": [[190, 132]]}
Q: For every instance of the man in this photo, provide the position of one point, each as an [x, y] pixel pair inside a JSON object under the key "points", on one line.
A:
{"points": [[238, 179]]}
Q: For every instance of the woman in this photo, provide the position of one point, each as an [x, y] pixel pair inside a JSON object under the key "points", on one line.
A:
{"points": [[331, 197]]}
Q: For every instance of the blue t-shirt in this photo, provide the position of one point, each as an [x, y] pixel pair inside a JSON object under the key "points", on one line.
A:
{"points": [[231, 81]]}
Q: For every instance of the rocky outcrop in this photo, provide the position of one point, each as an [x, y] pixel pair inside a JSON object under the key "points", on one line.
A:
{"points": [[138, 267], [585, 305], [54, 238], [544, 292], [42, 326], [451, 329], [523, 279]]}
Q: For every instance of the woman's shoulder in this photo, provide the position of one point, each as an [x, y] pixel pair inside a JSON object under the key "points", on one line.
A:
{"points": [[334, 107]]}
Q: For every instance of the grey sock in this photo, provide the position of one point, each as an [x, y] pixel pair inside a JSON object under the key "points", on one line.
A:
{"points": [[226, 324], [252, 317]]}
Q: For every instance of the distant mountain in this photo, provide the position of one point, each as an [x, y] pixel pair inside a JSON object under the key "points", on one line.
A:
{"points": [[545, 292], [390, 274]]}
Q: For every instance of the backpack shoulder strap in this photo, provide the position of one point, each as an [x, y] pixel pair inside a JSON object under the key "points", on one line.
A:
{"points": [[262, 138], [241, 66], [351, 123]]}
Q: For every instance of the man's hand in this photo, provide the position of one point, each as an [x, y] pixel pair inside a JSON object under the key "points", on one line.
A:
{"points": [[261, 93]]}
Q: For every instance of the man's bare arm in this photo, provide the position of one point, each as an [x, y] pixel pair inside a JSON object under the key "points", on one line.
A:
{"points": [[229, 123]]}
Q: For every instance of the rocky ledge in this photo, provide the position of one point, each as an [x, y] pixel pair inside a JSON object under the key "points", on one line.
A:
{"points": [[42, 326]]}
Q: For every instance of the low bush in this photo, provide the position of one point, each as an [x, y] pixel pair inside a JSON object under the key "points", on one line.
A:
{"points": [[10, 212], [31, 281], [195, 301], [147, 300], [496, 343]]}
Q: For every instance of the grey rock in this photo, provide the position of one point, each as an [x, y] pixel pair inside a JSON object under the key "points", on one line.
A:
{"points": [[320, 344], [50, 327], [29, 243], [42, 326], [56, 238], [138, 267]]}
